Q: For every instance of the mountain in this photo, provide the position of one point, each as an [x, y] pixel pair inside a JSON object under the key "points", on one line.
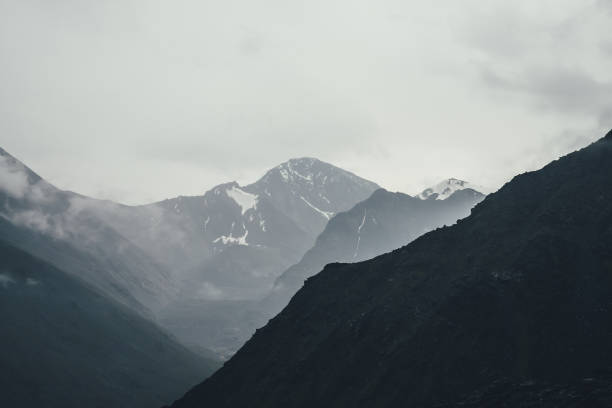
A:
{"points": [[246, 237], [448, 187], [188, 263], [64, 344], [65, 229], [279, 215], [511, 303], [383, 222], [310, 191], [286, 209]]}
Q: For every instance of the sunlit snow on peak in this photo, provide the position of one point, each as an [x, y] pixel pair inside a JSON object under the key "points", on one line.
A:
{"points": [[447, 188]]}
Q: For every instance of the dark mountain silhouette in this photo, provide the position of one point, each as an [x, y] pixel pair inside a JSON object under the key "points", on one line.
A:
{"points": [[518, 293], [63, 344]]}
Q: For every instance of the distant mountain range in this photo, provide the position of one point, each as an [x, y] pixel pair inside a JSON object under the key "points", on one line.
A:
{"points": [[238, 241], [208, 269], [184, 258], [509, 307]]}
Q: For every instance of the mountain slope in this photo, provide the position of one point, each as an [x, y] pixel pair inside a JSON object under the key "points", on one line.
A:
{"points": [[65, 345], [383, 222], [519, 291], [66, 230]]}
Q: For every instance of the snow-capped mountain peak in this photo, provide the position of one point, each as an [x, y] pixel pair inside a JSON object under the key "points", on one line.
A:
{"points": [[302, 170], [447, 188], [310, 191]]}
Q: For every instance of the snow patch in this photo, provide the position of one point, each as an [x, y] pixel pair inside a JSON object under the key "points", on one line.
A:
{"points": [[246, 201], [284, 174], [325, 214], [231, 240], [289, 173], [363, 221], [206, 221], [365, 214]]}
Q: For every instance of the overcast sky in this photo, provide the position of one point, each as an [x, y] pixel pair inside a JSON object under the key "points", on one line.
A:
{"points": [[139, 100]]}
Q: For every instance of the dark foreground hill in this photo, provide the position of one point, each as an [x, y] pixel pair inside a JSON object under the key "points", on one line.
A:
{"points": [[518, 293], [63, 344]]}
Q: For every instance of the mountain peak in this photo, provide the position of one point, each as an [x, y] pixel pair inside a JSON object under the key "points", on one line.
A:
{"points": [[447, 188], [308, 161], [311, 191], [310, 171], [609, 135]]}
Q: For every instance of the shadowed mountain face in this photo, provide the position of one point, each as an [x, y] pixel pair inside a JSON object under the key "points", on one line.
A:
{"points": [[520, 292], [382, 223], [63, 344]]}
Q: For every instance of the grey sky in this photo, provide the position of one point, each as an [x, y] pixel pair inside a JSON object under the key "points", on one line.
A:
{"points": [[138, 100]]}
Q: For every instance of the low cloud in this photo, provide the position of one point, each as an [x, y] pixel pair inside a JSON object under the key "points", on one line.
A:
{"points": [[13, 181], [39, 221], [6, 280], [208, 291]]}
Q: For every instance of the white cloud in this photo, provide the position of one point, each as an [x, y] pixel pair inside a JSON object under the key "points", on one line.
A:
{"points": [[208, 291], [6, 280], [13, 181], [32, 282]]}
